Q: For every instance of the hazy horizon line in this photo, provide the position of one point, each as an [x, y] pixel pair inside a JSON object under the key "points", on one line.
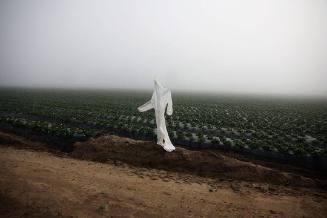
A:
{"points": [[178, 91]]}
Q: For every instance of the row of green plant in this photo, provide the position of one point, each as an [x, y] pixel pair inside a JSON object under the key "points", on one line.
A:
{"points": [[278, 125]]}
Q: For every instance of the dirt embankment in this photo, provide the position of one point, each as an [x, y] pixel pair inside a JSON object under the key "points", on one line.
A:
{"points": [[204, 163], [139, 179]]}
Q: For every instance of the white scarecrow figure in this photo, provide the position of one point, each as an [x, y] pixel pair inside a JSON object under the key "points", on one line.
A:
{"points": [[161, 99]]}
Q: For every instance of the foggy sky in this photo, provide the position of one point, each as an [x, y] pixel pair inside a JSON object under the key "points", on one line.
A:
{"points": [[237, 46]]}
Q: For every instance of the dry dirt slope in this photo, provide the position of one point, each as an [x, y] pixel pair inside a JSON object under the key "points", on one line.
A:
{"points": [[206, 163], [41, 184]]}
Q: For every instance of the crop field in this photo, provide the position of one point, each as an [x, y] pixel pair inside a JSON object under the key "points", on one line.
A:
{"points": [[279, 128]]}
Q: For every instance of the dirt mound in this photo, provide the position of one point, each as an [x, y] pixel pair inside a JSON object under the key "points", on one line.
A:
{"points": [[146, 154], [204, 163]]}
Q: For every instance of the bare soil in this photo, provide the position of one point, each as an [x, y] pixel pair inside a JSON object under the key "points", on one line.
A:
{"points": [[139, 179]]}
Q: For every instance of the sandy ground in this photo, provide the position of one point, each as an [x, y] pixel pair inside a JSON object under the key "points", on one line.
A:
{"points": [[36, 183], [39, 184]]}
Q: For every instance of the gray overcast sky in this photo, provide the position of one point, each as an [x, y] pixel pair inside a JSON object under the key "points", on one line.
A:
{"points": [[262, 46]]}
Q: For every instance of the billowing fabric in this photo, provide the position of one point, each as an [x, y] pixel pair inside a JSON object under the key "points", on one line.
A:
{"points": [[161, 99]]}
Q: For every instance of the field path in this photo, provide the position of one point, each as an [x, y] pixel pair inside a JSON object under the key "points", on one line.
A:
{"points": [[40, 184]]}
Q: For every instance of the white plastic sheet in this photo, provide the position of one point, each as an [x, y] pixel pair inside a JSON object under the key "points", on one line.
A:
{"points": [[161, 99]]}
